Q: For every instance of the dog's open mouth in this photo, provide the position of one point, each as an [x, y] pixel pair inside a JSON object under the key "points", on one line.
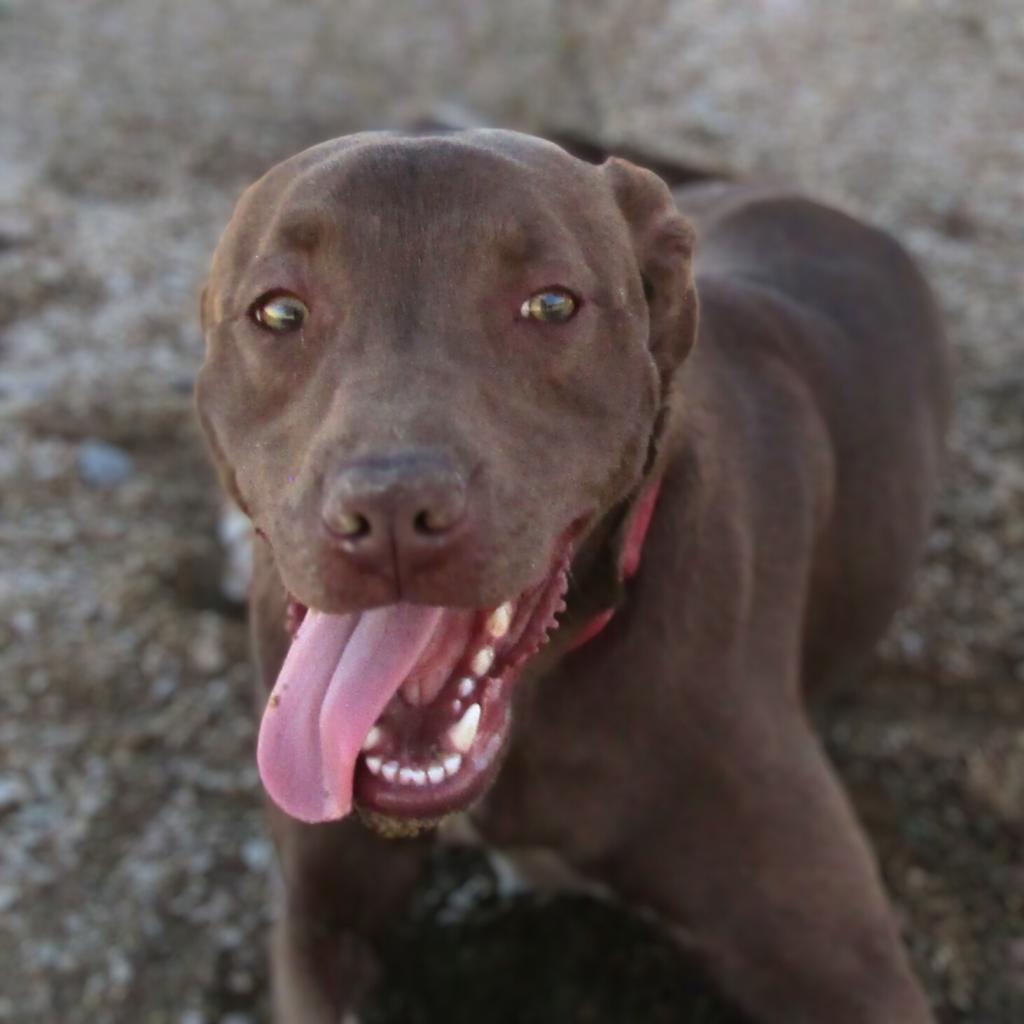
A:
{"points": [[401, 710]]}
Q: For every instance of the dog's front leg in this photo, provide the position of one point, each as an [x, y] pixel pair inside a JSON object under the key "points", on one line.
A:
{"points": [[342, 883], [343, 886], [756, 855]]}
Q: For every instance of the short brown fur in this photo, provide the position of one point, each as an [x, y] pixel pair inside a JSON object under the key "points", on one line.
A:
{"points": [[778, 365]]}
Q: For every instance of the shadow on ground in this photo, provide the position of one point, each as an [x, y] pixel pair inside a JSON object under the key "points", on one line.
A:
{"points": [[467, 954]]}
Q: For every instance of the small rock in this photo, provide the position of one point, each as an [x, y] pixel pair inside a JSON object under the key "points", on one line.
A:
{"points": [[16, 226], [208, 654], [229, 937], [8, 897], [103, 465], [25, 622], [119, 968], [12, 793], [257, 854], [235, 532]]}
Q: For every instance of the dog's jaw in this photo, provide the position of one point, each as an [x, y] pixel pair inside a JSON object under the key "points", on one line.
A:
{"points": [[428, 759], [444, 717]]}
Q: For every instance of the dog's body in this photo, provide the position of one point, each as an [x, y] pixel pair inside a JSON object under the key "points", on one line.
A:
{"points": [[795, 450]]}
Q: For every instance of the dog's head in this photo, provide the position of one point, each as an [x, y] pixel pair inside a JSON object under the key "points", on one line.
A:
{"points": [[436, 367]]}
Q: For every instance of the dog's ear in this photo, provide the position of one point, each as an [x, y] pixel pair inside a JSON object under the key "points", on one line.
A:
{"points": [[663, 242]]}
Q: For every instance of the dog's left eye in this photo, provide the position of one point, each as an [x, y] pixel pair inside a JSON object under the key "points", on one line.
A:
{"points": [[552, 305], [280, 313]]}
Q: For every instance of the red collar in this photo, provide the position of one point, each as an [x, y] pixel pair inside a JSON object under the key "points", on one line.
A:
{"points": [[630, 559]]}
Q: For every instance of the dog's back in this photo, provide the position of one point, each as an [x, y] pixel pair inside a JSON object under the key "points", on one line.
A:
{"points": [[866, 336]]}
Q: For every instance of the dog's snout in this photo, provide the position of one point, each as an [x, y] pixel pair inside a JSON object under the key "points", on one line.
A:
{"points": [[393, 513]]}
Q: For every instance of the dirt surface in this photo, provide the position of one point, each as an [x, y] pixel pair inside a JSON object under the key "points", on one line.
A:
{"points": [[134, 871]]}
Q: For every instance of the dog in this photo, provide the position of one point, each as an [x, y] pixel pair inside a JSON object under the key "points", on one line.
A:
{"points": [[567, 490]]}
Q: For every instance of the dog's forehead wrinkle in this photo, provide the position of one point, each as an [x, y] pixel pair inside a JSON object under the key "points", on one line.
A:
{"points": [[301, 228], [487, 156], [455, 173], [495, 146]]}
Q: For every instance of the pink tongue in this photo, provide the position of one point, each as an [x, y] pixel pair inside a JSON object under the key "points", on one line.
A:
{"points": [[339, 675]]}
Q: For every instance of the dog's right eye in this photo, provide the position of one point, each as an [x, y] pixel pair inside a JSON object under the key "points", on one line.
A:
{"points": [[279, 313], [552, 305]]}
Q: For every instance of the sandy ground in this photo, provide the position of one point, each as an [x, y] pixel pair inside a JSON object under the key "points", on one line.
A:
{"points": [[133, 867]]}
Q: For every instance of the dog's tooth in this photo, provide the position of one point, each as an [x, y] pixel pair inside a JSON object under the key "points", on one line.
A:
{"points": [[435, 773], [466, 686], [389, 770], [499, 620], [373, 738], [452, 763], [373, 763], [482, 660], [463, 732], [419, 777], [405, 775]]}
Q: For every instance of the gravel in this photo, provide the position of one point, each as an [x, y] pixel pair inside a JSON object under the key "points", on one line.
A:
{"points": [[134, 871]]}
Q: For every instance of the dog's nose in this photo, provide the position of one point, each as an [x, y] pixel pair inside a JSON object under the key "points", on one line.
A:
{"points": [[394, 513]]}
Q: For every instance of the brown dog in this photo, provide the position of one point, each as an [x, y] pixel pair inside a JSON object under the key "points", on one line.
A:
{"points": [[450, 378]]}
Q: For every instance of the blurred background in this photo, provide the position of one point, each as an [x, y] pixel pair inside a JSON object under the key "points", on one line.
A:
{"points": [[134, 871]]}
